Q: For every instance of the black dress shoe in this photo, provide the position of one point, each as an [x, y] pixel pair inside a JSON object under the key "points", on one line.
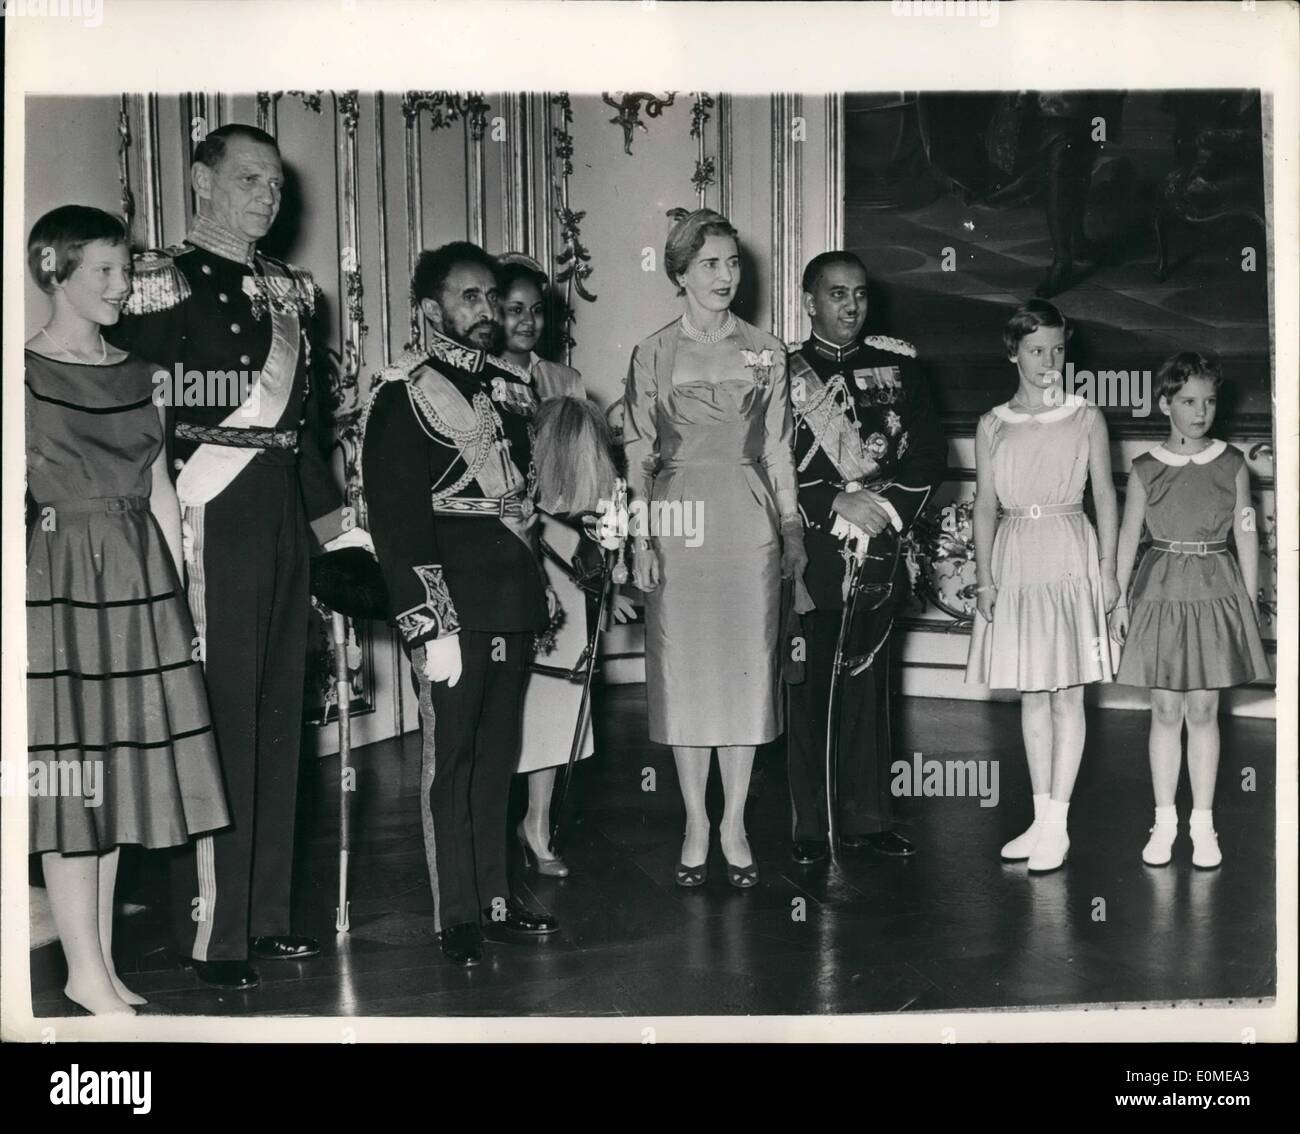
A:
{"points": [[284, 948], [886, 842], [462, 944], [225, 974], [519, 923], [808, 850]]}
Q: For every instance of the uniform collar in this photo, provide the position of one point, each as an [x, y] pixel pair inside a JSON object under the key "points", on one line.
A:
{"points": [[220, 241], [455, 354], [830, 351], [1204, 457]]}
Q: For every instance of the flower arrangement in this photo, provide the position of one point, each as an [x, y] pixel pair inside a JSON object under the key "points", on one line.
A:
{"points": [[940, 554]]}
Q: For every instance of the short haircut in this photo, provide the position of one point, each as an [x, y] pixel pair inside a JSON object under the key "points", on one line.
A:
{"points": [[212, 149], [510, 272], [1030, 317], [1175, 372], [433, 268], [687, 237], [812, 274], [66, 231]]}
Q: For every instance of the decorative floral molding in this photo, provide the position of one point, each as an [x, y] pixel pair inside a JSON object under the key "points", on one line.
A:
{"points": [[573, 263], [127, 199], [706, 167], [628, 106]]}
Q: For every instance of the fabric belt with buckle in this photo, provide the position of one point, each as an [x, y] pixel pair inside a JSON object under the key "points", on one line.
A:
{"points": [[98, 504], [1035, 511], [485, 507], [1191, 546], [252, 438]]}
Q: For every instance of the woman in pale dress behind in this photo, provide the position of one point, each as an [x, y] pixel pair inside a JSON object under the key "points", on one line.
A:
{"points": [[552, 703]]}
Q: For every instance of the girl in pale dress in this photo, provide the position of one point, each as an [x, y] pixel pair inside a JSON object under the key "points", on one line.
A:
{"points": [[708, 439], [1193, 628], [1043, 584], [552, 703], [114, 689]]}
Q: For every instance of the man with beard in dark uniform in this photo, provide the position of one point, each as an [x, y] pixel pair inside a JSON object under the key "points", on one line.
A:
{"points": [[230, 330], [449, 484], [869, 453]]}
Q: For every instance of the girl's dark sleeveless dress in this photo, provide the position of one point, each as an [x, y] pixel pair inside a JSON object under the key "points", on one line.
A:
{"points": [[120, 747]]}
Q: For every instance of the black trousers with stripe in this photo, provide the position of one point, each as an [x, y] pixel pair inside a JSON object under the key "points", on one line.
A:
{"points": [[471, 737], [248, 591], [866, 805]]}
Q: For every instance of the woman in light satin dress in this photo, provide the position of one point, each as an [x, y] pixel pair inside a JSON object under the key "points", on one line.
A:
{"points": [[708, 440], [551, 704]]}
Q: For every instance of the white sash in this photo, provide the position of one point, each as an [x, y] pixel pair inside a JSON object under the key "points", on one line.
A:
{"points": [[212, 467]]}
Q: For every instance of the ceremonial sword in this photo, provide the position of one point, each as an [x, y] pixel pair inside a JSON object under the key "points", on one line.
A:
{"points": [[880, 593]]}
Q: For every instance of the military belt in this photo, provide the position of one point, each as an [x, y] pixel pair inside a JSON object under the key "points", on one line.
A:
{"points": [[254, 437]]}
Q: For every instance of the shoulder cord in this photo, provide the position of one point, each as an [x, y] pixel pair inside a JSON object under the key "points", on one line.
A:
{"points": [[483, 436], [833, 389]]}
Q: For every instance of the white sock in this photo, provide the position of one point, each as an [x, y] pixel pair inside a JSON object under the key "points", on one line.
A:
{"points": [[1057, 811], [1202, 817], [1040, 806], [1167, 816]]}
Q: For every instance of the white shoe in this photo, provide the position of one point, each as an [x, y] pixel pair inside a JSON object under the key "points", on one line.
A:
{"points": [[1160, 847], [1205, 845], [1022, 846], [1051, 850]]}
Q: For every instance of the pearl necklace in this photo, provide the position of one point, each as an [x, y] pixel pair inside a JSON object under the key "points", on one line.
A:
{"points": [[103, 357], [693, 332]]}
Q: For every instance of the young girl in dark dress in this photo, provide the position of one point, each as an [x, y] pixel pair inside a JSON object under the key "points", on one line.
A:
{"points": [[1190, 626], [120, 748]]}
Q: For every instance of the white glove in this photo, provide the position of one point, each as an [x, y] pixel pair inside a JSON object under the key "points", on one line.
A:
{"points": [[353, 537], [442, 660]]}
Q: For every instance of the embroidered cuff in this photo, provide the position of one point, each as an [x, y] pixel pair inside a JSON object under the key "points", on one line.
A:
{"points": [[433, 618]]}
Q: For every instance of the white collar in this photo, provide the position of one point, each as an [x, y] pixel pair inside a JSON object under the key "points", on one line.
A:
{"points": [[1204, 457], [1072, 402]]}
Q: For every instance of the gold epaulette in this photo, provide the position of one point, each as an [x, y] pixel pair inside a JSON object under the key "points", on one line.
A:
{"points": [[887, 342], [400, 369], [158, 284]]}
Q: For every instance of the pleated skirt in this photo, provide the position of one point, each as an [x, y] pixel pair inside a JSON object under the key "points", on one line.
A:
{"points": [[1049, 627], [120, 742], [1191, 625]]}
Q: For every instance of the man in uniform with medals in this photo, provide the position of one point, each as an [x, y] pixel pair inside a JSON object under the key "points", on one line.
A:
{"points": [[447, 468], [869, 452], [230, 331]]}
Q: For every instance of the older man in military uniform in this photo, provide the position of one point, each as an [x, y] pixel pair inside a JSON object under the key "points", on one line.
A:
{"points": [[449, 487], [229, 328], [869, 452]]}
